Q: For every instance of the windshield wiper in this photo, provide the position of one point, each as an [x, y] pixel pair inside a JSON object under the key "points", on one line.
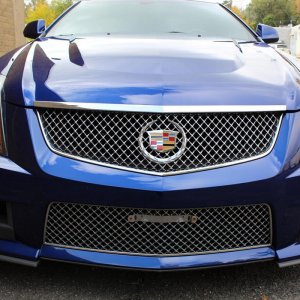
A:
{"points": [[237, 45], [176, 32], [69, 37], [181, 32], [247, 42]]}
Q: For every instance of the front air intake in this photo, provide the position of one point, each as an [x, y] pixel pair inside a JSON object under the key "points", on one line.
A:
{"points": [[158, 232]]}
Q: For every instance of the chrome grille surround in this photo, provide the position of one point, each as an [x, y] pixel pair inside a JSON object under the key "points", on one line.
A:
{"points": [[108, 229], [112, 138]]}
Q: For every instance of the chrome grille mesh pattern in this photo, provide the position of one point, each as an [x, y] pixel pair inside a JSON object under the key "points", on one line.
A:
{"points": [[108, 229], [112, 138]]}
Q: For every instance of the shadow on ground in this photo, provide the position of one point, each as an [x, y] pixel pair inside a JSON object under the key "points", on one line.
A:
{"points": [[62, 281]]}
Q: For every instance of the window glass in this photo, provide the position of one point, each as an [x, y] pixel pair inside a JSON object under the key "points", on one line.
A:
{"points": [[151, 17]]}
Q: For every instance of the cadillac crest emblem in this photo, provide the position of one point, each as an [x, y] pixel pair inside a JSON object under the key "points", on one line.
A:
{"points": [[162, 146], [162, 140]]}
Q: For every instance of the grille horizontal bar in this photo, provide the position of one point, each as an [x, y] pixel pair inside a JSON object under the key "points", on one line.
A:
{"points": [[180, 232], [114, 138]]}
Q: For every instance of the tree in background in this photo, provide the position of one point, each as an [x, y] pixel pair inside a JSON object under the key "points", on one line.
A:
{"points": [[298, 6], [59, 6], [43, 9], [272, 12], [238, 12], [270, 20]]}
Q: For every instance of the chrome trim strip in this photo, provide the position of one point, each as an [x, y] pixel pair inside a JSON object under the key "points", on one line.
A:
{"points": [[158, 255], [159, 108], [236, 162]]}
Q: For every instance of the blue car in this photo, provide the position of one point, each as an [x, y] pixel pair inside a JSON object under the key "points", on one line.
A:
{"points": [[154, 135]]}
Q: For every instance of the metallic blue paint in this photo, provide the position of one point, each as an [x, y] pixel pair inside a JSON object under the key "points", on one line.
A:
{"points": [[292, 251], [67, 168], [155, 72], [131, 71], [157, 263], [267, 33], [19, 250], [94, 184]]}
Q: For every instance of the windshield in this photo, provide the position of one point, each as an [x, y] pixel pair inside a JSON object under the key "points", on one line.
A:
{"points": [[151, 17]]}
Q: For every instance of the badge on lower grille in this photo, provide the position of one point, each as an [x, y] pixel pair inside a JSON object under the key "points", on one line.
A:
{"points": [[162, 145], [162, 219]]}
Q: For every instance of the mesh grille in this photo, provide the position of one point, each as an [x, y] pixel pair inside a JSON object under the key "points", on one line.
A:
{"points": [[113, 138], [108, 229]]}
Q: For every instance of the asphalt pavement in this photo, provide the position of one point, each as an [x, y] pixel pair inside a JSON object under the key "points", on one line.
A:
{"points": [[52, 280]]}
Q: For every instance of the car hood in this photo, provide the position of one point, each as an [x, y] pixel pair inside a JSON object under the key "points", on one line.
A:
{"points": [[156, 72]]}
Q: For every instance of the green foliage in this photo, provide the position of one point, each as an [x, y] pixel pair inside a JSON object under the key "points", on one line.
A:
{"points": [[59, 6], [271, 12], [269, 20], [238, 12], [42, 9]]}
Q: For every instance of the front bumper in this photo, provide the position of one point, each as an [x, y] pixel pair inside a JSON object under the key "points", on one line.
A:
{"points": [[21, 254], [33, 177]]}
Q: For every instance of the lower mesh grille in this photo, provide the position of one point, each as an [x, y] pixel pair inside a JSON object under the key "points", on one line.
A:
{"points": [[158, 232]]}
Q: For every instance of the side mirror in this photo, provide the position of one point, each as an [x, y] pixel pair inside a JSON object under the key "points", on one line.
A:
{"points": [[267, 33], [34, 29]]}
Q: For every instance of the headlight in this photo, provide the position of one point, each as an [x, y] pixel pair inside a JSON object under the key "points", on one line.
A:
{"points": [[2, 135]]}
